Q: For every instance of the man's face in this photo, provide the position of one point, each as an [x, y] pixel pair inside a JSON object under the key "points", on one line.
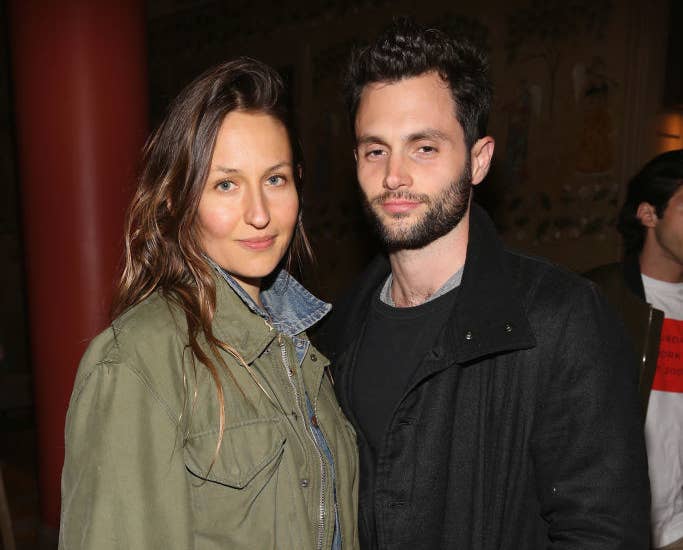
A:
{"points": [[412, 162], [669, 229]]}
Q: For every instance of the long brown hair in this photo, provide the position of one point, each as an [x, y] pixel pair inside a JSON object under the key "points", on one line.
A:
{"points": [[163, 251]]}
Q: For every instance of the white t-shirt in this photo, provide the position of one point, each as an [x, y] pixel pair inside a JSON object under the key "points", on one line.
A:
{"points": [[664, 422]]}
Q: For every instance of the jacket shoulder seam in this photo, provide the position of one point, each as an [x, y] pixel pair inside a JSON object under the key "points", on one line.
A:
{"points": [[109, 363]]}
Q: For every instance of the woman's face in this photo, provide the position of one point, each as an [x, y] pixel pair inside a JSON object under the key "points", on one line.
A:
{"points": [[249, 205]]}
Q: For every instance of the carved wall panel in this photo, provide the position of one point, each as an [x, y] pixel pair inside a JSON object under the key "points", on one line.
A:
{"points": [[563, 116]]}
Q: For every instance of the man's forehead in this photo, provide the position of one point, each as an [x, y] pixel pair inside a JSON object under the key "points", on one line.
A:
{"points": [[423, 84], [408, 105]]}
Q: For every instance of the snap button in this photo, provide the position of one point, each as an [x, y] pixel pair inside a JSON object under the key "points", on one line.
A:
{"points": [[303, 482], [508, 327], [314, 357], [468, 335]]}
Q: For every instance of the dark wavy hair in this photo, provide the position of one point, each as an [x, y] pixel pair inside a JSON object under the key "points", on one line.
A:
{"points": [[406, 49], [163, 250], [656, 182]]}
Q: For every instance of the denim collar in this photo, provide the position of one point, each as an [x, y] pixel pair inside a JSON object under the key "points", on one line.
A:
{"points": [[288, 306]]}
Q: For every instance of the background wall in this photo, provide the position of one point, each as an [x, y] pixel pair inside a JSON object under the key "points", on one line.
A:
{"points": [[577, 108]]}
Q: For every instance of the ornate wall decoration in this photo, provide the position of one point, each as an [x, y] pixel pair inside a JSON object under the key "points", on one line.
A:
{"points": [[558, 67]]}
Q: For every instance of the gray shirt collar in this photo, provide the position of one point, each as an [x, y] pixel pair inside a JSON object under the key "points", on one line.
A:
{"points": [[452, 282]]}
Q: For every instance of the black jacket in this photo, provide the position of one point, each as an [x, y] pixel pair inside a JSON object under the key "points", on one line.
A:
{"points": [[521, 428], [623, 286]]}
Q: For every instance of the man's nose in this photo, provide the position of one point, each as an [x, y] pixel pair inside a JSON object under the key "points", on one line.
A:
{"points": [[397, 174]]}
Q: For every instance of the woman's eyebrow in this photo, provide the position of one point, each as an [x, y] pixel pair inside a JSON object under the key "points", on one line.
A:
{"points": [[228, 170]]}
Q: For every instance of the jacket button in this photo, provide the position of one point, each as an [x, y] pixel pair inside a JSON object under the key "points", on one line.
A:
{"points": [[303, 482], [468, 335], [508, 327], [314, 357]]}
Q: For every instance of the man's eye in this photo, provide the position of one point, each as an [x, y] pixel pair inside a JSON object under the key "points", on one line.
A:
{"points": [[374, 153], [427, 149]]}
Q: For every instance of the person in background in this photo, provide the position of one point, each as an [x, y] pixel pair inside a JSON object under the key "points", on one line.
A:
{"points": [[490, 390], [647, 290], [203, 417]]}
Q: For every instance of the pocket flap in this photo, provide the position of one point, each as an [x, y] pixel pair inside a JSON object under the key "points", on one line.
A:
{"points": [[246, 449]]}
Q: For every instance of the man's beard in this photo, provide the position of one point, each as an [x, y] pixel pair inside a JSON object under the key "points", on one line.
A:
{"points": [[444, 212]]}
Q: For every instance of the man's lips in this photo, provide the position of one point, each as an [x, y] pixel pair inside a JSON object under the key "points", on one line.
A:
{"points": [[258, 243], [399, 206]]}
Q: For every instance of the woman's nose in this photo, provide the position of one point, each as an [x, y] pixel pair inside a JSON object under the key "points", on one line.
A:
{"points": [[256, 211]]}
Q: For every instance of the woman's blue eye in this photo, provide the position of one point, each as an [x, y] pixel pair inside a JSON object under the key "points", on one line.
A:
{"points": [[275, 180], [225, 185]]}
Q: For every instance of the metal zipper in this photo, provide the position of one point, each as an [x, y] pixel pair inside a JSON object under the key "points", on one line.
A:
{"points": [[309, 430]]}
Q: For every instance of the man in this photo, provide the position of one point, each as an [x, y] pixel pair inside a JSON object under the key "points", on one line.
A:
{"points": [[647, 289], [487, 388]]}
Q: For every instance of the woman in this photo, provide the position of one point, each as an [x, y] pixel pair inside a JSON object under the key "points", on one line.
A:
{"points": [[203, 418]]}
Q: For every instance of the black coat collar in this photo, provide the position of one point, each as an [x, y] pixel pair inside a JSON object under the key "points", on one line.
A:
{"points": [[488, 317]]}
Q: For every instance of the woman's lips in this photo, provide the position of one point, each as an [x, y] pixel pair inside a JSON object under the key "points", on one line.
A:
{"points": [[258, 243]]}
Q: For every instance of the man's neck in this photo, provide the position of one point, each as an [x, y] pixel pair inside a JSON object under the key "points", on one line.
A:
{"points": [[417, 274], [657, 264]]}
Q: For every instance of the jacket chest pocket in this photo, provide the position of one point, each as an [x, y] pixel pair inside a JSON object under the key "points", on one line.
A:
{"points": [[249, 453]]}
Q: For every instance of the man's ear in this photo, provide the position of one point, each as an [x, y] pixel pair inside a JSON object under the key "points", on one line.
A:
{"points": [[480, 156], [647, 214]]}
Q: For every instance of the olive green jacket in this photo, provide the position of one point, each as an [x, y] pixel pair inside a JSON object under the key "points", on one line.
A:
{"points": [[141, 469]]}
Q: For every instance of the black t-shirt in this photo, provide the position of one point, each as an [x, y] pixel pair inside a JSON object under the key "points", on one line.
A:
{"points": [[394, 344]]}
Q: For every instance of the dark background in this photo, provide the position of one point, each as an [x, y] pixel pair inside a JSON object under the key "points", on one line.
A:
{"points": [[585, 92]]}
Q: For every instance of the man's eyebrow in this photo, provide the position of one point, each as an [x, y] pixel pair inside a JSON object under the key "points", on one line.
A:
{"points": [[366, 139], [428, 133]]}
